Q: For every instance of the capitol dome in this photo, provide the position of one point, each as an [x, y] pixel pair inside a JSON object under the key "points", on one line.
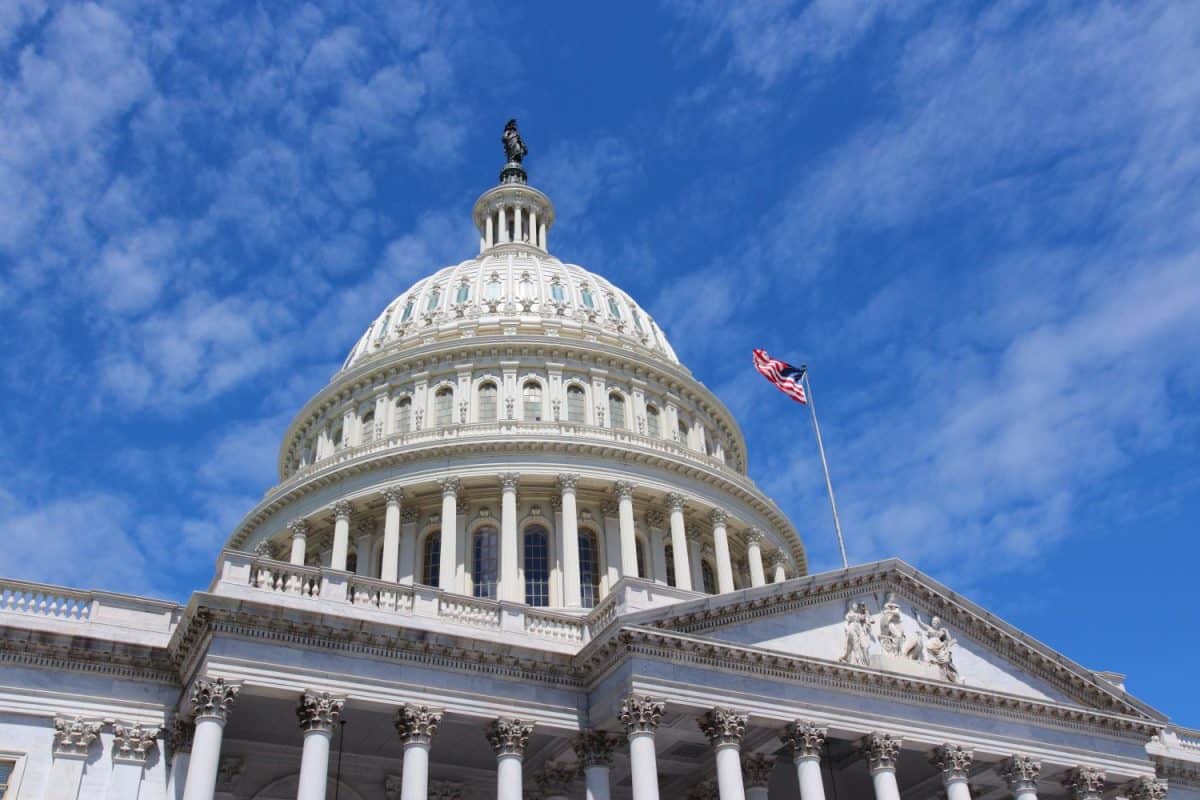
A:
{"points": [[516, 428]]}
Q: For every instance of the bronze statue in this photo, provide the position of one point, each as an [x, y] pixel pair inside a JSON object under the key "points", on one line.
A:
{"points": [[514, 146]]}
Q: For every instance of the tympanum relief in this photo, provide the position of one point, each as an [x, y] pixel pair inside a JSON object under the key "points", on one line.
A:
{"points": [[882, 641]]}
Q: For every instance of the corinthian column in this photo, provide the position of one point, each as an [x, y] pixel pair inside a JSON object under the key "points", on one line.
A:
{"points": [[954, 762], [629, 565], [882, 750], [132, 745], [724, 728], [510, 574], [73, 739], [299, 531], [508, 738], [448, 553], [416, 726], [341, 534], [1085, 783], [212, 701], [1147, 789], [754, 539], [594, 749], [806, 741], [757, 769], [317, 713], [391, 534], [1021, 774], [679, 545], [640, 716], [179, 745], [570, 541], [721, 549], [778, 567]]}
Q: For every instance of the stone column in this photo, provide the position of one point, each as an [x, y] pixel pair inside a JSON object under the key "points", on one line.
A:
{"points": [[724, 728], [132, 745], [501, 225], [489, 236], [754, 539], [1085, 783], [179, 745], [542, 235], [1146, 789], [389, 570], [416, 726], [594, 749], [657, 567], [806, 741], [882, 750], [364, 543], [211, 702], [629, 565], [554, 781], [448, 565], [683, 572], [1021, 774], [954, 762], [695, 556], [518, 223], [533, 226], [510, 565], [409, 518], [570, 541], [299, 530], [640, 716], [318, 711], [721, 549], [341, 534], [508, 738], [73, 739], [757, 768], [778, 567]]}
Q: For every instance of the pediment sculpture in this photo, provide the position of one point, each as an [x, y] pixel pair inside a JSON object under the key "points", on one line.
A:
{"points": [[881, 641]]}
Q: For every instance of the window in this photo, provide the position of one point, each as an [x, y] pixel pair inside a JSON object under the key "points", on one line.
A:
{"points": [[652, 427], [616, 411], [706, 576], [492, 292], [487, 402], [710, 444], [589, 569], [531, 401], [637, 321], [640, 552], [431, 559], [6, 771], [683, 433], [613, 308], [576, 404], [586, 295], [368, 426], [443, 406], [352, 561], [403, 414], [537, 566], [464, 293], [408, 309], [383, 328], [335, 435], [435, 297], [670, 558], [485, 555], [558, 293]]}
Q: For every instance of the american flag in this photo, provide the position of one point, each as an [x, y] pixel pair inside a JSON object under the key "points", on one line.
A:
{"points": [[787, 379]]}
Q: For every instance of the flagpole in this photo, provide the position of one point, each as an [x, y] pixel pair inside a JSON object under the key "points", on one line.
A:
{"points": [[837, 524]]}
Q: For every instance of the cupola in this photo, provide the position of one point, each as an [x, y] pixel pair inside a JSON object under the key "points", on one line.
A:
{"points": [[513, 214]]}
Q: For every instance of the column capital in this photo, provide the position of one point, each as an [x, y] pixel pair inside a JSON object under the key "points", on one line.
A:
{"points": [[509, 481], [953, 760], [777, 559], [179, 737], [318, 711], [73, 736], [674, 502], [555, 779], [1021, 773], [133, 742], [450, 486], [641, 714], [757, 769], [692, 532], [624, 490], [213, 698], [393, 495], [365, 528], [341, 510], [718, 517], [804, 739], [754, 537], [881, 751], [1146, 789], [1085, 783], [595, 748], [417, 724], [567, 481], [608, 508], [265, 549], [410, 515], [655, 518], [298, 528], [722, 726], [509, 735]]}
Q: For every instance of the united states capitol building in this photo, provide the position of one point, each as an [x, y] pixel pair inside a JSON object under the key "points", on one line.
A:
{"points": [[515, 549]]}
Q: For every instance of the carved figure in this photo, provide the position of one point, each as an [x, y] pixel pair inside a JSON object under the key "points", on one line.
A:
{"points": [[938, 648], [514, 146], [858, 635], [892, 638]]}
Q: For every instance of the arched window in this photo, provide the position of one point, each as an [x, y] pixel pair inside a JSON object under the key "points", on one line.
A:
{"points": [[652, 426], [443, 406], [576, 403], [683, 433], [531, 401], [589, 569], [431, 559], [404, 415], [537, 566], [487, 402], [435, 297], [368, 426], [670, 558], [485, 560], [708, 578], [616, 411]]}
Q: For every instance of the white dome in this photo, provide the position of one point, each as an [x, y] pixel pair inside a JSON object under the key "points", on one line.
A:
{"points": [[512, 288]]}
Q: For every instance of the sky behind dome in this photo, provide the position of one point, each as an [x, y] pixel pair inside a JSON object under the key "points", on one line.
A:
{"points": [[979, 226]]}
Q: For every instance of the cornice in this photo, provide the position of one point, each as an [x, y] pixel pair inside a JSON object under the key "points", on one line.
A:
{"points": [[85, 654]]}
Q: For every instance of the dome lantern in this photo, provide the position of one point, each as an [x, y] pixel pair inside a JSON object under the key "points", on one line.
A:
{"points": [[513, 213]]}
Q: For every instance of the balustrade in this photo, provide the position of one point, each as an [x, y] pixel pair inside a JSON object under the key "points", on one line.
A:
{"points": [[44, 602], [277, 576]]}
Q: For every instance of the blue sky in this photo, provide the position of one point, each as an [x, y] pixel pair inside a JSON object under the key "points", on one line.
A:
{"points": [[980, 226]]}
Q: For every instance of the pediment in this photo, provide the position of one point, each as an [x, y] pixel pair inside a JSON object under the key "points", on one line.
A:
{"points": [[891, 618]]}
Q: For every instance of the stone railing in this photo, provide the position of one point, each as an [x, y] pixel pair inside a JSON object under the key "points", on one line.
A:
{"points": [[469, 610], [279, 576], [550, 625], [45, 601], [382, 595], [118, 617]]}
